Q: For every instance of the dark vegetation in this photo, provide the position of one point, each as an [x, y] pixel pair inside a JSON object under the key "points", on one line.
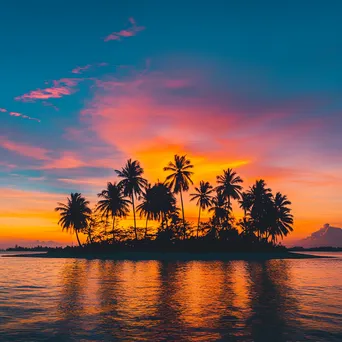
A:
{"points": [[267, 217], [33, 249]]}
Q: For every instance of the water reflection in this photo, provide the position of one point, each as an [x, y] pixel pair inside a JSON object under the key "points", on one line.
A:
{"points": [[272, 301], [190, 301], [168, 305], [110, 323], [71, 304], [168, 301]]}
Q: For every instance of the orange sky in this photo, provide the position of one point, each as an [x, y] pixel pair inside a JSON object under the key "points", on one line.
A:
{"points": [[27, 215]]}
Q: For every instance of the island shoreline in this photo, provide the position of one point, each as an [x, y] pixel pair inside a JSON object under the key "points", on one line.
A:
{"points": [[172, 256]]}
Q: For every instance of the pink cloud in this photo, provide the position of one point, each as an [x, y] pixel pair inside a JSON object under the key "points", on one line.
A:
{"points": [[93, 182], [67, 160], [202, 120], [50, 159], [16, 114], [60, 88], [25, 150], [80, 69], [143, 107], [54, 160], [129, 32]]}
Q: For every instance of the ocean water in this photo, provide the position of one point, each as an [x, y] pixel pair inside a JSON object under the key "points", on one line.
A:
{"points": [[95, 300]]}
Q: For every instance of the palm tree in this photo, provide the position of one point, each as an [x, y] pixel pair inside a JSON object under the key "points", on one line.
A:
{"points": [[219, 207], [132, 183], [262, 206], [229, 185], [158, 202], [74, 215], [145, 207], [180, 178], [113, 203], [245, 202], [203, 197], [247, 228], [283, 219]]}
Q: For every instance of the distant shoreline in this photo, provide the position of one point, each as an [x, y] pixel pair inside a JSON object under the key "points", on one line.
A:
{"points": [[171, 256], [315, 249]]}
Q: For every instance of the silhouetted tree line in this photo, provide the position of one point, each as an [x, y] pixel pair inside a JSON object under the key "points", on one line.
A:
{"points": [[38, 248], [267, 216]]}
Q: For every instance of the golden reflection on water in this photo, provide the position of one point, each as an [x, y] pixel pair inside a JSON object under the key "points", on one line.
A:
{"points": [[191, 301], [70, 299]]}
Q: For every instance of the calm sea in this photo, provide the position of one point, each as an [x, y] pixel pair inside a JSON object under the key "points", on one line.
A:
{"points": [[79, 300]]}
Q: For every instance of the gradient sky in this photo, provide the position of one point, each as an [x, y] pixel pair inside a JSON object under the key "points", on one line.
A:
{"points": [[253, 85]]}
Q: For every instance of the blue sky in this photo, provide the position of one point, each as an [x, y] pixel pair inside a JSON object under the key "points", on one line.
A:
{"points": [[224, 81]]}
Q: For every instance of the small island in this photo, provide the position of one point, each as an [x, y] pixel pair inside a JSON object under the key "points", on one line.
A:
{"points": [[266, 219]]}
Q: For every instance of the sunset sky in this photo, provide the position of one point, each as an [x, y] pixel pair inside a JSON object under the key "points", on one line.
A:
{"points": [[85, 85]]}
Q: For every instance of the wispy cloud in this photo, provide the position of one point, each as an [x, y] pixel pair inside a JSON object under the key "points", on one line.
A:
{"points": [[18, 115], [129, 32], [96, 182], [23, 116], [80, 69], [59, 88], [67, 160], [25, 150]]}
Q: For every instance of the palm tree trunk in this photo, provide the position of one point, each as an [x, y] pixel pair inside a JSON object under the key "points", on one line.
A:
{"points": [[228, 209], [146, 226], [90, 238], [78, 239], [181, 196], [113, 229], [199, 218], [135, 222]]}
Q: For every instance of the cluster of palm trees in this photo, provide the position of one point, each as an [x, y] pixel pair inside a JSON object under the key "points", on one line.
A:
{"points": [[266, 216]]}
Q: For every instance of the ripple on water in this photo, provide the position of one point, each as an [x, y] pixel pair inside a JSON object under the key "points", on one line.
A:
{"points": [[82, 300]]}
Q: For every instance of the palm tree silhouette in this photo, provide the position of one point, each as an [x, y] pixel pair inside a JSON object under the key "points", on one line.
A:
{"points": [[157, 203], [74, 215], [229, 185], [203, 197], [113, 203], [132, 183], [266, 219], [180, 178], [219, 207], [262, 206], [283, 219], [145, 207], [245, 202]]}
